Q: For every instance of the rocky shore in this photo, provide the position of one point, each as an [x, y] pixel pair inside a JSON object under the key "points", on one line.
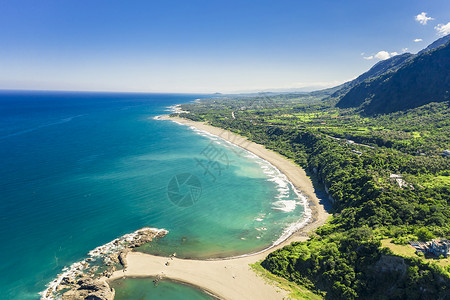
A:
{"points": [[85, 279]]}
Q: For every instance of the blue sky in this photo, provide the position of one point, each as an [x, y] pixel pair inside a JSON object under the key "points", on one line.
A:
{"points": [[206, 46]]}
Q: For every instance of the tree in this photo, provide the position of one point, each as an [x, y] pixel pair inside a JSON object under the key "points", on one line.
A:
{"points": [[423, 234]]}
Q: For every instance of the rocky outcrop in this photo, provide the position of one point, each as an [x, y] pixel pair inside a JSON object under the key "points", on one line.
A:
{"points": [[88, 288], [391, 263], [123, 258], [83, 280]]}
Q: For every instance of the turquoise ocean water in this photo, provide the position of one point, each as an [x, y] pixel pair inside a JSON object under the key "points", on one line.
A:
{"points": [[80, 169]]}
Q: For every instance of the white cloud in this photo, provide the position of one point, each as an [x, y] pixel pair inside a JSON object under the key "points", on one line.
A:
{"points": [[423, 19], [404, 50], [443, 29], [382, 55], [417, 40]]}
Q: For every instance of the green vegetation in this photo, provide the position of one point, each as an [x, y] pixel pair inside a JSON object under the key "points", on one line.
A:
{"points": [[424, 234], [295, 291], [408, 251], [352, 264]]}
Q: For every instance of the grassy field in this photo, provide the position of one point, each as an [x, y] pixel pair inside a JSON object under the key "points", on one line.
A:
{"points": [[435, 182], [408, 251]]}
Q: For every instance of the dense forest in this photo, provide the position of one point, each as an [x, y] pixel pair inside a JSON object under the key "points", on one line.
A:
{"points": [[386, 175]]}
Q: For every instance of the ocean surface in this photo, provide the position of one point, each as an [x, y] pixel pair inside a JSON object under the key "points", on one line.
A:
{"points": [[78, 170]]}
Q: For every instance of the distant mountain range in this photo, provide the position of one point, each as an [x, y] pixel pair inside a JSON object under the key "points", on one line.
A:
{"points": [[401, 82]]}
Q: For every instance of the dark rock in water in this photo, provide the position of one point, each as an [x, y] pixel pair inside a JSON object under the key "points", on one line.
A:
{"points": [[89, 284], [123, 258], [82, 281], [88, 288], [145, 236]]}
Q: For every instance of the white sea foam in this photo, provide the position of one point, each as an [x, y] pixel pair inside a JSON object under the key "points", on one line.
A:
{"points": [[160, 118], [204, 133], [285, 205]]}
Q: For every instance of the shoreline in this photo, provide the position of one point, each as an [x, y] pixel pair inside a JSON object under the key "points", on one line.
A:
{"points": [[231, 278], [295, 174]]}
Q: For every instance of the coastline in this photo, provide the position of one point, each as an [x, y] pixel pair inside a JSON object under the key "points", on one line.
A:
{"points": [[296, 175], [231, 278]]}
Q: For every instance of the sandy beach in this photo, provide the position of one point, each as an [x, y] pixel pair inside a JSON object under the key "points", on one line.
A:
{"points": [[231, 278]]}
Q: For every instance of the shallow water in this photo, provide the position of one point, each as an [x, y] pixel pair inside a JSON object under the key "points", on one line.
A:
{"points": [[145, 288]]}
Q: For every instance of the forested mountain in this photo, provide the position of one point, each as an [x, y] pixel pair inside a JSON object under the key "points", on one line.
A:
{"points": [[435, 44], [387, 65], [419, 80]]}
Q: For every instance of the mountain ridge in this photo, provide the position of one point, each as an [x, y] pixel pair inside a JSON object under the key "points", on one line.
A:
{"points": [[408, 81]]}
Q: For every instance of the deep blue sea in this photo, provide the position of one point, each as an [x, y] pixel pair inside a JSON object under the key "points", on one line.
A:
{"points": [[78, 170]]}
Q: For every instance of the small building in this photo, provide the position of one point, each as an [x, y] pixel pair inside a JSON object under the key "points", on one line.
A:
{"points": [[395, 176], [446, 152], [419, 246], [440, 247], [357, 152], [400, 181], [436, 247]]}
